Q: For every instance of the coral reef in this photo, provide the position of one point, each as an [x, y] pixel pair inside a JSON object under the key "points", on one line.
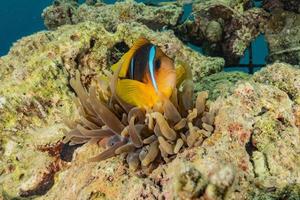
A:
{"points": [[223, 28], [289, 192], [36, 95], [222, 135], [227, 161], [60, 13], [289, 5], [247, 146], [283, 37], [252, 150], [155, 17], [284, 76]]}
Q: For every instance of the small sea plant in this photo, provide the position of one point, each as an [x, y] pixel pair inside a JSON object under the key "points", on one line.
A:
{"points": [[146, 137]]}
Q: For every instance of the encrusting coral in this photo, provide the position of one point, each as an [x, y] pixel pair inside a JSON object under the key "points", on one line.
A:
{"points": [[146, 137]]}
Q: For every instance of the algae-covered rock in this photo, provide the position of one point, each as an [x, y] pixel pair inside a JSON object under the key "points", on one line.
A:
{"points": [[284, 76], [155, 17], [219, 84], [290, 192], [223, 28], [283, 37], [289, 5], [60, 13], [255, 105], [35, 97]]}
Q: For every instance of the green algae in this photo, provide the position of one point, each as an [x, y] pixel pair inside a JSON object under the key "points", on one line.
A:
{"points": [[36, 89], [219, 84], [290, 192], [265, 129]]}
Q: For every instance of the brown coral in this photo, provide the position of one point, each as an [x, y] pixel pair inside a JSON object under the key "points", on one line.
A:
{"points": [[147, 138]]}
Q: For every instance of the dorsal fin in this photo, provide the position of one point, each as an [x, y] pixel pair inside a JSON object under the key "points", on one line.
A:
{"points": [[126, 58]]}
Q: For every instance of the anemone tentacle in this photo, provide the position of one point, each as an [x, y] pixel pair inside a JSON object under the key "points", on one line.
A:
{"points": [[146, 138]]}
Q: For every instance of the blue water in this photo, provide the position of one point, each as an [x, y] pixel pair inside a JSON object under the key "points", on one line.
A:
{"points": [[19, 18], [259, 53]]}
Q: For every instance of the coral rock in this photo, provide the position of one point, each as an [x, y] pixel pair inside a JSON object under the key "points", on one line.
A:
{"points": [[110, 15], [223, 28], [283, 37], [60, 13], [289, 5], [219, 84], [284, 76]]}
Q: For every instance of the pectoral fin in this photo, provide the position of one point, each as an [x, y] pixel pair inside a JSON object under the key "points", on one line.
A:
{"points": [[135, 93]]}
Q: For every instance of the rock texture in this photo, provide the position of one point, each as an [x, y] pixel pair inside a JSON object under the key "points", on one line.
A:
{"points": [[219, 84], [223, 27], [69, 12], [60, 13], [289, 5], [284, 76], [283, 37]]}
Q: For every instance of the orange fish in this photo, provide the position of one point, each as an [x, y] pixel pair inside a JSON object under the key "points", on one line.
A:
{"points": [[146, 75]]}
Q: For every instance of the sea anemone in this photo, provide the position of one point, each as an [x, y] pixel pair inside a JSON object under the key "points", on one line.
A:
{"points": [[145, 137]]}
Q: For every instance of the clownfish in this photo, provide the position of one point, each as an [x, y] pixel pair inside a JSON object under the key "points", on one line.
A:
{"points": [[146, 75]]}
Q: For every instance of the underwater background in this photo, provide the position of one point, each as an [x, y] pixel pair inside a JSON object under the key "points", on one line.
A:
{"points": [[72, 126], [22, 18]]}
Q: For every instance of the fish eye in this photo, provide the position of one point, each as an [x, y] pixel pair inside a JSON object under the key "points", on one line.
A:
{"points": [[157, 64]]}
